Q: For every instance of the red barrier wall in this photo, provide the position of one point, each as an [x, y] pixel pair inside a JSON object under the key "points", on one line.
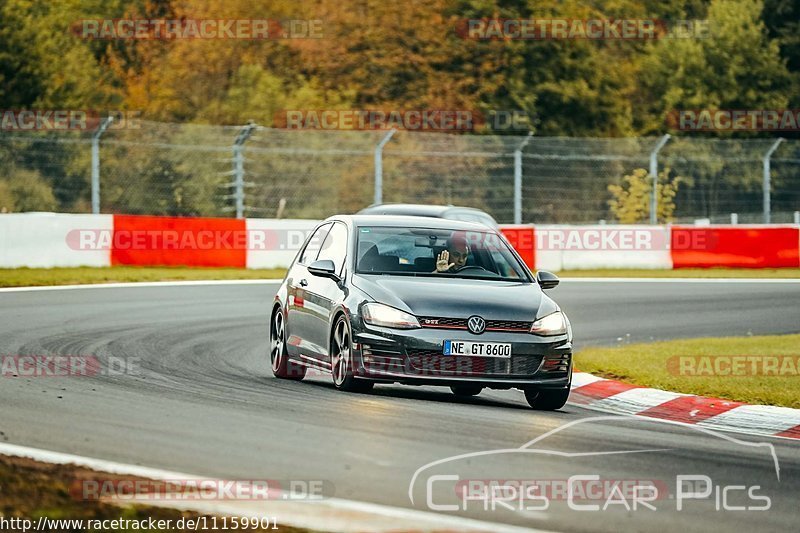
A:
{"points": [[222, 242], [175, 241], [522, 239], [744, 247]]}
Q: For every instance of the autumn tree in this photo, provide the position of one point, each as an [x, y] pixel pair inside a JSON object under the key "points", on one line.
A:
{"points": [[737, 66], [630, 200]]}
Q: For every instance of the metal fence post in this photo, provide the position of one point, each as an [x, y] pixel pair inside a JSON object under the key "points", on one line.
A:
{"points": [[96, 164], [767, 185], [379, 167], [654, 176], [238, 167], [518, 179]]}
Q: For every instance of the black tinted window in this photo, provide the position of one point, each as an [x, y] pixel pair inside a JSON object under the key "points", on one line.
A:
{"points": [[309, 255], [335, 246], [414, 251]]}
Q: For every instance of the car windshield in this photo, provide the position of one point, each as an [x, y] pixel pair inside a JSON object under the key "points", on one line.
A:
{"points": [[471, 254]]}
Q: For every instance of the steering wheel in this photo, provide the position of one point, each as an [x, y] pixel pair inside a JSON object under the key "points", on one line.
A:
{"points": [[471, 267]]}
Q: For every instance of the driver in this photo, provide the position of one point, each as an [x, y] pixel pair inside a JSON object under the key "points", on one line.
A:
{"points": [[457, 251]]}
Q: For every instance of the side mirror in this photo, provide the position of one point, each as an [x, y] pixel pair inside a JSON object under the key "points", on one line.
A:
{"points": [[324, 268], [546, 279]]}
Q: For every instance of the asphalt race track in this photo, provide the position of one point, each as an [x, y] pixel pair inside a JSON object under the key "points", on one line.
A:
{"points": [[202, 400]]}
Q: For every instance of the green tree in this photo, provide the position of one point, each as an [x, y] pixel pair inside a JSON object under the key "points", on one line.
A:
{"points": [[630, 200], [737, 67], [782, 18], [26, 191]]}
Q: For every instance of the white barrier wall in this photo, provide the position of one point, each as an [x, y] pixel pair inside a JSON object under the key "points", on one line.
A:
{"points": [[44, 240], [601, 246], [39, 240], [273, 243]]}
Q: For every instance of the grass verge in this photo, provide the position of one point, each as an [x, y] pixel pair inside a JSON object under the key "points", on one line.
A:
{"points": [[718, 367], [31, 489], [27, 277]]}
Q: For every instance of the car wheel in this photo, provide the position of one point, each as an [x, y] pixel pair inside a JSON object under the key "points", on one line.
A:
{"points": [[282, 366], [466, 390], [546, 400], [342, 360]]}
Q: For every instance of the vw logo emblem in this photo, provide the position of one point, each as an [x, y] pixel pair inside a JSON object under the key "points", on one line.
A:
{"points": [[476, 325]]}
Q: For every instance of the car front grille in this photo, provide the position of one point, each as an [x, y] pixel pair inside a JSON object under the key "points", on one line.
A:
{"points": [[433, 363], [514, 326], [443, 323], [508, 325]]}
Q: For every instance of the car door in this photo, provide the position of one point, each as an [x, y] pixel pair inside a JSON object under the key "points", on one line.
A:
{"points": [[300, 323], [322, 294]]}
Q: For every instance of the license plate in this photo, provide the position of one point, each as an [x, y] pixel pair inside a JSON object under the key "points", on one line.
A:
{"points": [[478, 349]]}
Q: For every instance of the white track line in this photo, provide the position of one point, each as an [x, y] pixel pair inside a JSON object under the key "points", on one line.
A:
{"points": [[277, 281], [144, 284], [332, 514], [681, 280]]}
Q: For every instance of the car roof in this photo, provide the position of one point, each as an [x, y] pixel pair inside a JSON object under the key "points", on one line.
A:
{"points": [[417, 209], [409, 221], [407, 209]]}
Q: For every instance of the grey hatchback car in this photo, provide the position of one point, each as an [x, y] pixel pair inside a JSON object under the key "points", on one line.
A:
{"points": [[365, 302]]}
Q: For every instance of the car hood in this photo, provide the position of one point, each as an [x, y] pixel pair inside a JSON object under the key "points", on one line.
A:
{"points": [[456, 298]]}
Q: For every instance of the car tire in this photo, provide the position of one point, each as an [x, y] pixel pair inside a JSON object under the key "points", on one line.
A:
{"points": [[466, 389], [282, 366], [546, 399], [341, 355]]}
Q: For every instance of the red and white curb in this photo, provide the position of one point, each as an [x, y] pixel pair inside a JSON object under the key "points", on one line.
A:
{"points": [[612, 396]]}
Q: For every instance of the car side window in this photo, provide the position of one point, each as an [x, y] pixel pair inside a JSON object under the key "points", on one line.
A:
{"points": [[311, 250], [335, 246]]}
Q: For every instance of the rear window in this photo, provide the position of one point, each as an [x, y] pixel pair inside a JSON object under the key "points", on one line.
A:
{"points": [[472, 216]]}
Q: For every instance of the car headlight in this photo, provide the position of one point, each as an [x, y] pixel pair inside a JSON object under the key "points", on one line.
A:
{"points": [[552, 324], [388, 317]]}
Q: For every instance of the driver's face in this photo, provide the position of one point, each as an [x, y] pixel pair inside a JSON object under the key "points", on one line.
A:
{"points": [[458, 256]]}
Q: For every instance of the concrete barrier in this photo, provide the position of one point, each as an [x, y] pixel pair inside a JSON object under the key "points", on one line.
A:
{"points": [[66, 240], [602, 247], [46, 240]]}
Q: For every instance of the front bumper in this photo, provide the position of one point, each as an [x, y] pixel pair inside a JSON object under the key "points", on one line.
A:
{"points": [[416, 357]]}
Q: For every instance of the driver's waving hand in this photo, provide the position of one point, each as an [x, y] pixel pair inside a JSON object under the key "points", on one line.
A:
{"points": [[457, 252]]}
